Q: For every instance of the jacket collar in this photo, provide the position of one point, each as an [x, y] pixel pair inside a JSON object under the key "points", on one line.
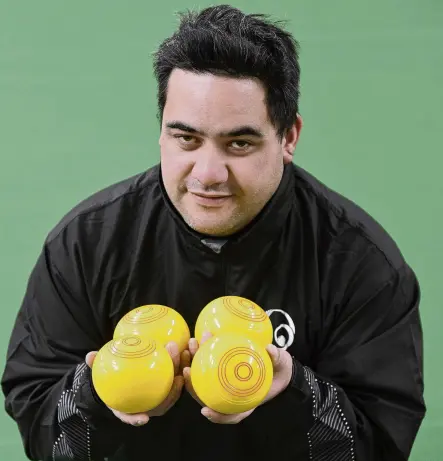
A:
{"points": [[263, 228]]}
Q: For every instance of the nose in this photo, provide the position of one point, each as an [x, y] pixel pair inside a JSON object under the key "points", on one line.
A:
{"points": [[210, 169]]}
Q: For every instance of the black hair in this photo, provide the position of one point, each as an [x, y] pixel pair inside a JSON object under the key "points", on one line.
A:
{"points": [[223, 40]]}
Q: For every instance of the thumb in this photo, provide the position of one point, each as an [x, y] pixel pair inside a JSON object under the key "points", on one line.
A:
{"points": [[174, 353], [275, 355], [90, 357]]}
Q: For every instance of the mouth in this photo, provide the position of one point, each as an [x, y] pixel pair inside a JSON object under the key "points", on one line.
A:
{"points": [[210, 200]]}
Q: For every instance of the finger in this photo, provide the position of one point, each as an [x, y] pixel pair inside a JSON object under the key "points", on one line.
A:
{"points": [[185, 360], [174, 352], [193, 346], [136, 419], [275, 354], [188, 385], [220, 418], [171, 399], [281, 361], [205, 336], [90, 356], [175, 393]]}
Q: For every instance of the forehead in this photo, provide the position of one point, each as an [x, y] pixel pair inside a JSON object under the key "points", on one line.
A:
{"points": [[215, 103]]}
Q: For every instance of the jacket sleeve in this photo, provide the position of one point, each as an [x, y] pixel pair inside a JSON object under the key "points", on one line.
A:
{"points": [[46, 383], [362, 398]]}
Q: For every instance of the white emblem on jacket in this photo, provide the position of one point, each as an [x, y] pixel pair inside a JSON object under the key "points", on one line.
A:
{"points": [[283, 340]]}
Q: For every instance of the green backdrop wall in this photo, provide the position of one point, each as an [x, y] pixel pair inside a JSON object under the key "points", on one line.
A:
{"points": [[78, 112]]}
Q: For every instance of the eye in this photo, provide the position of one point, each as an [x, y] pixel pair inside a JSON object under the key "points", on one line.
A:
{"points": [[240, 144], [186, 139]]}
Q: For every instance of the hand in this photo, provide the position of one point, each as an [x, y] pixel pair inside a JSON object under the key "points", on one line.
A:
{"points": [[140, 419], [282, 366]]}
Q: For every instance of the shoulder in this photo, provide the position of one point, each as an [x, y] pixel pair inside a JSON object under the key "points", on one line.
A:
{"points": [[110, 204], [343, 226], [360, 266]]}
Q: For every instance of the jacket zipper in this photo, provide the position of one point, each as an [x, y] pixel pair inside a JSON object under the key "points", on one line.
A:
{"points": [[224, 266]]}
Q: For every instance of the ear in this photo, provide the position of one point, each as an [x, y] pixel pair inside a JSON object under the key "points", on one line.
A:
{"points": [[290, 140]]}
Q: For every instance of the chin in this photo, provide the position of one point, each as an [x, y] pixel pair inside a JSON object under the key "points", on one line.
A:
{"points": [[213, 231], [211, 228], [216, 222]]}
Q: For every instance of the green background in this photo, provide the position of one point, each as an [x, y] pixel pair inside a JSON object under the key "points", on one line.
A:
{"points": [[78, 112]]}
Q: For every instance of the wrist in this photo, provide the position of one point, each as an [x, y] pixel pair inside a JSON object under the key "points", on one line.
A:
{"points": [[88, 401]]}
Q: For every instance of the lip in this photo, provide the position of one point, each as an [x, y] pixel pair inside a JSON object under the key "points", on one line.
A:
{"points": [[210, 200]]}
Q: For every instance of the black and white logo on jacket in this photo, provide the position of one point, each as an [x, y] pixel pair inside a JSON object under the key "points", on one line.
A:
{"points": [[284, 328]]}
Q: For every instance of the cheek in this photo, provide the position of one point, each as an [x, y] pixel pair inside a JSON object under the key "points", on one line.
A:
{"points": [[252, 173], [175, 165], [267, 164]]}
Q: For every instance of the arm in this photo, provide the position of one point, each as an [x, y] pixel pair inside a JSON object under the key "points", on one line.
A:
{"points": [[46, 383], [376, 364], [362, 400]]}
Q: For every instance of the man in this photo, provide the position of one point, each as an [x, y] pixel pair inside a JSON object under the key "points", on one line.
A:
{"points": [[226, 212]]}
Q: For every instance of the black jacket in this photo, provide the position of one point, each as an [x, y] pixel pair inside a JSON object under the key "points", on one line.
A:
{"points": [[341, 298]]}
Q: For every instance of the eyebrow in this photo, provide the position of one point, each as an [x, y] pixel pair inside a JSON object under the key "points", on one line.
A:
{"points": [[245, 130]]}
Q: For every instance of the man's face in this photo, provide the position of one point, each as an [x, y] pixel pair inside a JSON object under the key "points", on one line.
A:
{"points": [[221, 158]]}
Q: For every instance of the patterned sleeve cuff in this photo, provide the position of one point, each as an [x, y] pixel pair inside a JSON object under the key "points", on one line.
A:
{"points": [[331, 431], [89, 403], [74, 439], [299, 386], [87, 425]]}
